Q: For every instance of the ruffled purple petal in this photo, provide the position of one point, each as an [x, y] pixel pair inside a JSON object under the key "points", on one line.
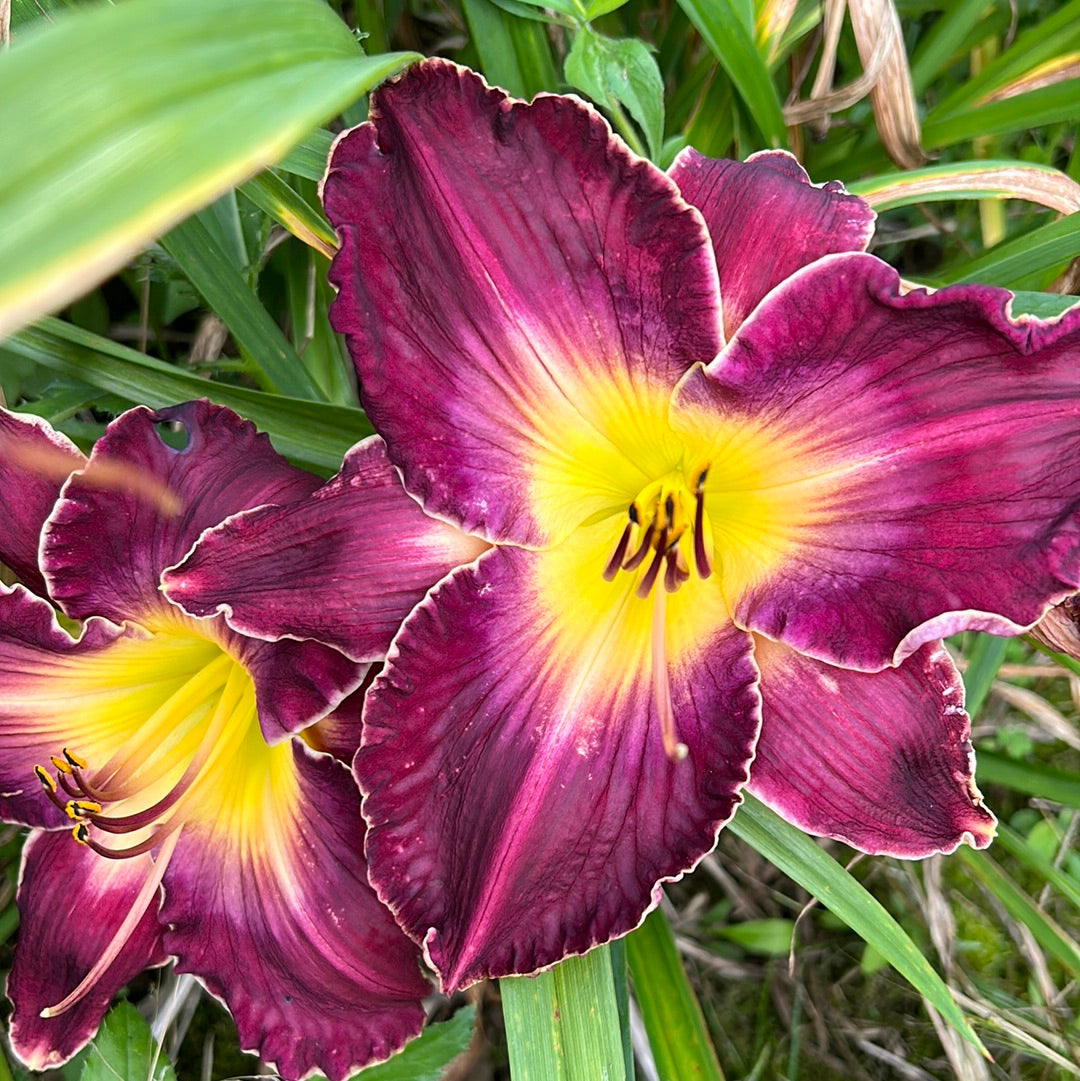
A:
{"points": [[35, 460], [281, 924], [43, 679], [938, 460], [339, 732], [295, 682], [520, 802], [881, 761], [766, 221], [141, 504], [508, 272], [344, 566], [71, 903]]}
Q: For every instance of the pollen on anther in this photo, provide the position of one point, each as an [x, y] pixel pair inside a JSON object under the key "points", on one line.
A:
{"points": [[73, 759], [46, 781]]}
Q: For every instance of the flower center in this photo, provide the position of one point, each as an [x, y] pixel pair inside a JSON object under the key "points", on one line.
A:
{"points": [[163, 717], [667, 521], [137, 792], [667, 529]]}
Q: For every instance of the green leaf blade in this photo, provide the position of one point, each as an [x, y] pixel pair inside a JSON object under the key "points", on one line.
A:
{"points": [[563, 1024], [166, 104], [679, 1041], [124, 1048], [801, 859], [722, 25]]}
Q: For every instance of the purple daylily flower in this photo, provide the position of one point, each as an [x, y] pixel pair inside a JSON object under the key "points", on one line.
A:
{"points": [[736, 486], [185, 757]]}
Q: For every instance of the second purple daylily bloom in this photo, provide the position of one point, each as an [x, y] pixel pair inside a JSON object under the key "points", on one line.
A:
{"points": [[726, 488], [189, 761]]}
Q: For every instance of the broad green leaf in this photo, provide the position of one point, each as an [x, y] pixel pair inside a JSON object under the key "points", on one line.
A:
{"points": [[514, 52], [953, 27], [124, 1048], [25, 12], [1048, 105], [722, 25], [223, 287], [308, 157], [616, 73], [571, 8], [984, 658], [1049, 37], [769, 937], [527, 9], [291, 211], [1042, 305], [426, 1058], [1065, 884], [620, 977], [1052, 937], [563, 1024], [313, 434], [669, 1008], [490, 30], [118, 121], [1042, 249], [371, 21], [817, 872], [595, 8], [1028, 777]]}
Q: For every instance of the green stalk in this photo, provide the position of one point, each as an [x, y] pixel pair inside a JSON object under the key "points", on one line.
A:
{"points": [[563, 1025]]}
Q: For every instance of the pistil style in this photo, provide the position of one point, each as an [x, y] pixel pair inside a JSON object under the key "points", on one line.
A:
{"points": [[659, 522]]}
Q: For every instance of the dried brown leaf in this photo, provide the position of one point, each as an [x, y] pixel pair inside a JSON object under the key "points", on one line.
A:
{"points": [[892, 98]]}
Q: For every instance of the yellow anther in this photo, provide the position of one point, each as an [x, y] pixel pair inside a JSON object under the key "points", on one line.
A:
{"points": [[59, 763], [81, 833], [77, 809], [46, 780], [73, 759]]}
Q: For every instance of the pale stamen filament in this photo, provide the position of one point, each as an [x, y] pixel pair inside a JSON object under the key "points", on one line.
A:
{"points": [[208, 740], [157, 836], [123, 932], [661, 686], [212, 745]]}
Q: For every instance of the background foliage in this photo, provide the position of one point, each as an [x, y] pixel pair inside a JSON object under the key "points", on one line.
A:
{"points": [[145, 258]]}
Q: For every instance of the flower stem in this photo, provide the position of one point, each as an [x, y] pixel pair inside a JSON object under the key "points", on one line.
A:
{"points": [[626, 129], [563, 1025]]}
